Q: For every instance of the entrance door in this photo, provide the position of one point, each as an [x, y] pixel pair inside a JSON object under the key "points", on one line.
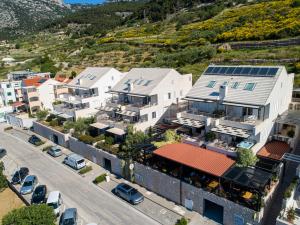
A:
{"points": [[213, 211], [55, 139], [107, 164]]}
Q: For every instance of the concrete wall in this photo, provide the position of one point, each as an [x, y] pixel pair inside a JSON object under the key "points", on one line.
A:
{"points": [[17, 121], [96, 155], [190, 196], [48, 132]]}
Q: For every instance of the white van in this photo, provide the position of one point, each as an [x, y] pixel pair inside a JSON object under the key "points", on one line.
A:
{"points": [[55, 201], [75, 161]]}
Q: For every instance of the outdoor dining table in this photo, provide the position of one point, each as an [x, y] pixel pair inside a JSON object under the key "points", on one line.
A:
{"points": [[213, 184], [247, 195]]}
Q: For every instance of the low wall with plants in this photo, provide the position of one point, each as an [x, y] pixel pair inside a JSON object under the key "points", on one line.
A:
{"points": [[49, 133], [96, 155]]}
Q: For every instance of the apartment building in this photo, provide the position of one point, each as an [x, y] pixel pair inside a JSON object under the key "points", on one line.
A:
{"points": [[143, 97], [237, 106], [87, 91], [26, 74], [10, 91]]}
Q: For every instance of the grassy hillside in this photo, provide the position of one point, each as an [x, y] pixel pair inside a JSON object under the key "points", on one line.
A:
{"points": [[184, 44]]}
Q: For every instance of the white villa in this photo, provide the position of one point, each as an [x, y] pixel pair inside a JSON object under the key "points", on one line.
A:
{"points": [[238, 104], [144, 97], [87, 91]]}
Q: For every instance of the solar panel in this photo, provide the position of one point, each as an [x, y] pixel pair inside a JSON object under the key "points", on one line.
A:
{"points": [[209, 69], [242, 71], [272, 71]]}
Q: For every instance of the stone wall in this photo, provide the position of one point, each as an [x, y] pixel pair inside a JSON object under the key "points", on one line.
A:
{"points": [[96, 155], [190, 196], [48, 132], [157, 182]]}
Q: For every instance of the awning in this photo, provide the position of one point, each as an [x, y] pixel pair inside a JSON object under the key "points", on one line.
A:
{"points": [[241, 105], [99, 125], [116, 131], [55, 113], [189, 122], [127, 113], [136, 95], [106, 108], [194, 99], [65, 116], [233, 131], [290, 117]]}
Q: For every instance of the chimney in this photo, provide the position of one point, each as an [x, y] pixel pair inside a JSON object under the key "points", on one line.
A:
{"points": [[223, 91]]}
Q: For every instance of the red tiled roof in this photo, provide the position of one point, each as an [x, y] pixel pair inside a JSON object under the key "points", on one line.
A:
{"points": [[33, 81], [62, 79], [198, 158], [274, 150]]}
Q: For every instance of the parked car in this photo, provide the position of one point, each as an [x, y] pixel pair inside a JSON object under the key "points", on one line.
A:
{"points": [[55, 201], [29, 184], [55, 151], [69, 217], [2, 152], [20, 175], [34, 140], [129, 193], [39, 194], [75, 161]]}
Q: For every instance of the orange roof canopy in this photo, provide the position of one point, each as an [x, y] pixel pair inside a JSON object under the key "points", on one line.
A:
{"points": [[198, 158], [274, 150]]}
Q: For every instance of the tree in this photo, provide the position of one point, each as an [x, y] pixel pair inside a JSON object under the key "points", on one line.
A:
{"points": [[34, 215], [171, 136], [73, 74], [182, 221], [245, 157], [42, 114]]}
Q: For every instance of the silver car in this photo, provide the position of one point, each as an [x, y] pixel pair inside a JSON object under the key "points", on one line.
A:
{"points": [[55, 151], [129, 193], [29, 184]]}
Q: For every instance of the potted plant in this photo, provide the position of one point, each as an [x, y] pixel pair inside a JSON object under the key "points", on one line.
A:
{"points": [[290, 215], [291, 133]]}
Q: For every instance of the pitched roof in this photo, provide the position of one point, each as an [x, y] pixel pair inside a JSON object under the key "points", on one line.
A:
{"points": [[201, 159], [62, 79], [36, 81], [89, 76], [274, 150], [144, 80], [264, 85]]}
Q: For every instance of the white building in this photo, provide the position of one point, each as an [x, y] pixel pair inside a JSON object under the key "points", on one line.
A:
{"points": [[87, 91], [10, 91], [239, 104], [143, 97]]}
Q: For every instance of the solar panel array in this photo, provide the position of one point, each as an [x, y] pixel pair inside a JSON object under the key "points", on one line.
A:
{"points": [[242, 71]]}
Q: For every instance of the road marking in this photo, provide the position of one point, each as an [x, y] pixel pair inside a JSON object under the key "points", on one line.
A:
{"points": [[163, 211]]}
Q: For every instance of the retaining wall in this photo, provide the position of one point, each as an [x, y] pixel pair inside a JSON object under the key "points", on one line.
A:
{"points": [[96, 155]]}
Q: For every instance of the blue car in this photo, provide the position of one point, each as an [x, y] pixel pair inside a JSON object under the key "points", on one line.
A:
{"points": [[29, 184]]}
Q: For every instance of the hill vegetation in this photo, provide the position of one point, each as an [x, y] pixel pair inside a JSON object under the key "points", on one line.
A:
{"points": [[186, 35]]}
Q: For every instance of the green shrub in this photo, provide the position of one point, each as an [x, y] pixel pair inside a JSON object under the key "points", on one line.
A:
{"points": [[246, 157], [39, 143], [3, 181], [210, 136], [288, 192], [53, 123], [99, 179], [8, 128], [291, 133], [86, 139], [47, 148], [109, 140], [182, 221], [85, 170]]}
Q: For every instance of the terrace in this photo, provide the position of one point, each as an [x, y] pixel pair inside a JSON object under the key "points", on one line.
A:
{"points": [[213, 172]]}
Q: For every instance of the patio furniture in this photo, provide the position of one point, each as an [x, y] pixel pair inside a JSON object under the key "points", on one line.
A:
{"points": [[213, 184], [247, 195]]}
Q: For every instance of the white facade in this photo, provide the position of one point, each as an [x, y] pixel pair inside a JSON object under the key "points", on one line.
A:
{"points": [[4, 111], [145, 95], [88, 91], [238, 107], [10, 91], [46, 93]]}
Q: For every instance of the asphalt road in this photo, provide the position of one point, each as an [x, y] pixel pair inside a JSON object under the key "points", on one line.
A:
{"points": [[93, 204]]}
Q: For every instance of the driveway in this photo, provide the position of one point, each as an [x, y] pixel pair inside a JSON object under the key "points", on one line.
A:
{"points": [[93, 203]]}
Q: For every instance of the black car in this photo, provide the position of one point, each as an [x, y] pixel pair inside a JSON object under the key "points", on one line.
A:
{"points": [[34, 140], [20, 175], [2, 152], [39, 195]]}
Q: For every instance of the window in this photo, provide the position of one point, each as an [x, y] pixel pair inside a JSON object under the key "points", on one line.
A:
{"points": [[235, 85], [112, 78], [225, 83], [181, 92], [211, 84], [169, 95], [153, 115], [8, 93], [249, 86]]}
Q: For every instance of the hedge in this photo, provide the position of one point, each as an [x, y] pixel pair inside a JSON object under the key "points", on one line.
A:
{"points": [[99, 179]]}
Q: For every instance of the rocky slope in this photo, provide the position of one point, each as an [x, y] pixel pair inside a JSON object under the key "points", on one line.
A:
{"points": [[23, 16]]}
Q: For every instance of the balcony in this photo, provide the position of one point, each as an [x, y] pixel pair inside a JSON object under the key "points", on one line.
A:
{"points": [[74, 99]]}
